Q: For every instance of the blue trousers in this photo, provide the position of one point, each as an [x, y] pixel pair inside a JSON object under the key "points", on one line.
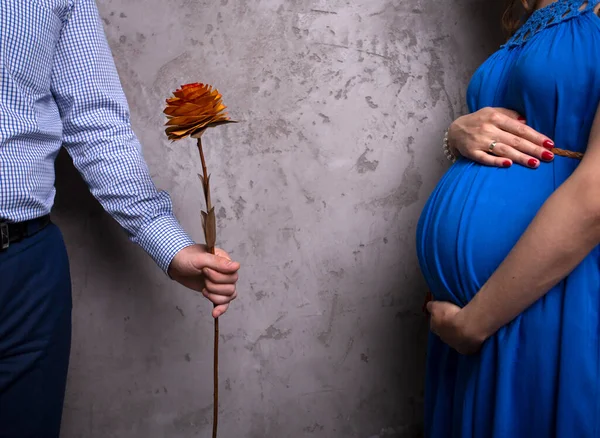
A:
{"points": [[35, 335]]}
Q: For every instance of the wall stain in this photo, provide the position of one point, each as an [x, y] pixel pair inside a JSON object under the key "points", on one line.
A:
{"points": [[314, 428], [325, 336], [193, 419], [407, 192], [290, 233], [342, 93], [435, 79], [272, 333], [239, 206], [275, 333], [363, 165], [347, 351], [325, 118], [222, 213], [339, 274], [309, 199], [370, 102], [318, 11], [278, 128]]}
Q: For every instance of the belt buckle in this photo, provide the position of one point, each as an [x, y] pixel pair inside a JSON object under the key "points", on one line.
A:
{"points": [[4, 236]]}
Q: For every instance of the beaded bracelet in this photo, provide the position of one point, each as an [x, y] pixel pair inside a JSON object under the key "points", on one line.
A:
{"points": [[451, 156]]}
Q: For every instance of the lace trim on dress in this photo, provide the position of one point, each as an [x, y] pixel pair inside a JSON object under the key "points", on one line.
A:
{"points": [[549, 15]]}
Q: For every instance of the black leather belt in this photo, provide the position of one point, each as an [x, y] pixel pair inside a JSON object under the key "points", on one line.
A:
{"points": [[11, 232]]}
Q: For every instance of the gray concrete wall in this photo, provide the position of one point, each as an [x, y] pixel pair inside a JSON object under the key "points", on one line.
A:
{"points": [[319, 190]]}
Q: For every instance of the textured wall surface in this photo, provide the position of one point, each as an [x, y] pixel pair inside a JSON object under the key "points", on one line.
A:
{"points": [[343, 105]]}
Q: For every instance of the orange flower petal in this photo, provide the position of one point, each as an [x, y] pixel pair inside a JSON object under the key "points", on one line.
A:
{"points": [[192, 109]]}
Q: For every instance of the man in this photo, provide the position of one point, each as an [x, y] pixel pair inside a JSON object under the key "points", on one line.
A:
{"points": [[59, 86]]}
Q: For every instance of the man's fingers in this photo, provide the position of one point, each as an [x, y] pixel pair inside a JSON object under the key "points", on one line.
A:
{"points": [[220, 289], [219, 310], [219, 299], [219, 278], [222, 253], [216, 263]]}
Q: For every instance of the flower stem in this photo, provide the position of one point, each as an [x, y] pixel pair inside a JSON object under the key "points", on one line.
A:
{"points": [[205, 175], [211, 249], [216, 380]]}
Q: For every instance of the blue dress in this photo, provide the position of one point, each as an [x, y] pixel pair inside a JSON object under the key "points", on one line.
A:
{"points": [[539, 376]]}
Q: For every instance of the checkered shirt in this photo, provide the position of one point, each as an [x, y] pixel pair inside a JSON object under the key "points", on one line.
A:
{"points": [[59, 87]]}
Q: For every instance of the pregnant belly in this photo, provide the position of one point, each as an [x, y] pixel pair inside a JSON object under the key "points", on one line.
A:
{"points": [[472, 220]]}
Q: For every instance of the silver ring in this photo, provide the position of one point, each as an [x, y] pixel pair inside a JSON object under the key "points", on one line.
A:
{"points": [[492, 146]]}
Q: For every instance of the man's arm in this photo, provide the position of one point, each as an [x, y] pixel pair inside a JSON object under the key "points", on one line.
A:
{"points": [[97, 134]]}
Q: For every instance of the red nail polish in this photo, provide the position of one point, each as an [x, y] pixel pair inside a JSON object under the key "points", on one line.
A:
{"points": [[548, 144], [532, 162], [521, 119], [547, 155], [506, 163]]}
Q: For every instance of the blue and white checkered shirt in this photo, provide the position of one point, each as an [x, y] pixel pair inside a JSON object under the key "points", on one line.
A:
{"points": [[59, 86]]}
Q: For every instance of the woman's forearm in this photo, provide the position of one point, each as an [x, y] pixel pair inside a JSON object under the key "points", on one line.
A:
{"points": [[563, 232]]}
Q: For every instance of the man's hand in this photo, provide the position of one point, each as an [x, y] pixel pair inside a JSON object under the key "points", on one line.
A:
{"points": [[448, 322], [214, 276]]}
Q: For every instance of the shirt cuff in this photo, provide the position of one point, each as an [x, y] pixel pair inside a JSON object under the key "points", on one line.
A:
{"points": [[162, 239]]}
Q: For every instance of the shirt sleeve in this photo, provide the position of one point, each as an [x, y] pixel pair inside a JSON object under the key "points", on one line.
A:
{"points": [[97, 134]]}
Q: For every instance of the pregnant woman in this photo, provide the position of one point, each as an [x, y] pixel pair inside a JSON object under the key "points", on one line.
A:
{"points": [[510, 252]]}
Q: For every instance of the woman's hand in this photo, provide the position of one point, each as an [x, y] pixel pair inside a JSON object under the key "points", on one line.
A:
{"points": [[473, 134], [448, 322]]}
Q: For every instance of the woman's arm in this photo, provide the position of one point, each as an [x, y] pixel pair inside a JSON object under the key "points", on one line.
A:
{"points": [[563, 232], [471, 135]]}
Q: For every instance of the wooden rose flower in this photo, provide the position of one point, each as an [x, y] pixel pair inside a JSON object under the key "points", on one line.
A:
{"points": [[190, 112], [192, 109]]}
